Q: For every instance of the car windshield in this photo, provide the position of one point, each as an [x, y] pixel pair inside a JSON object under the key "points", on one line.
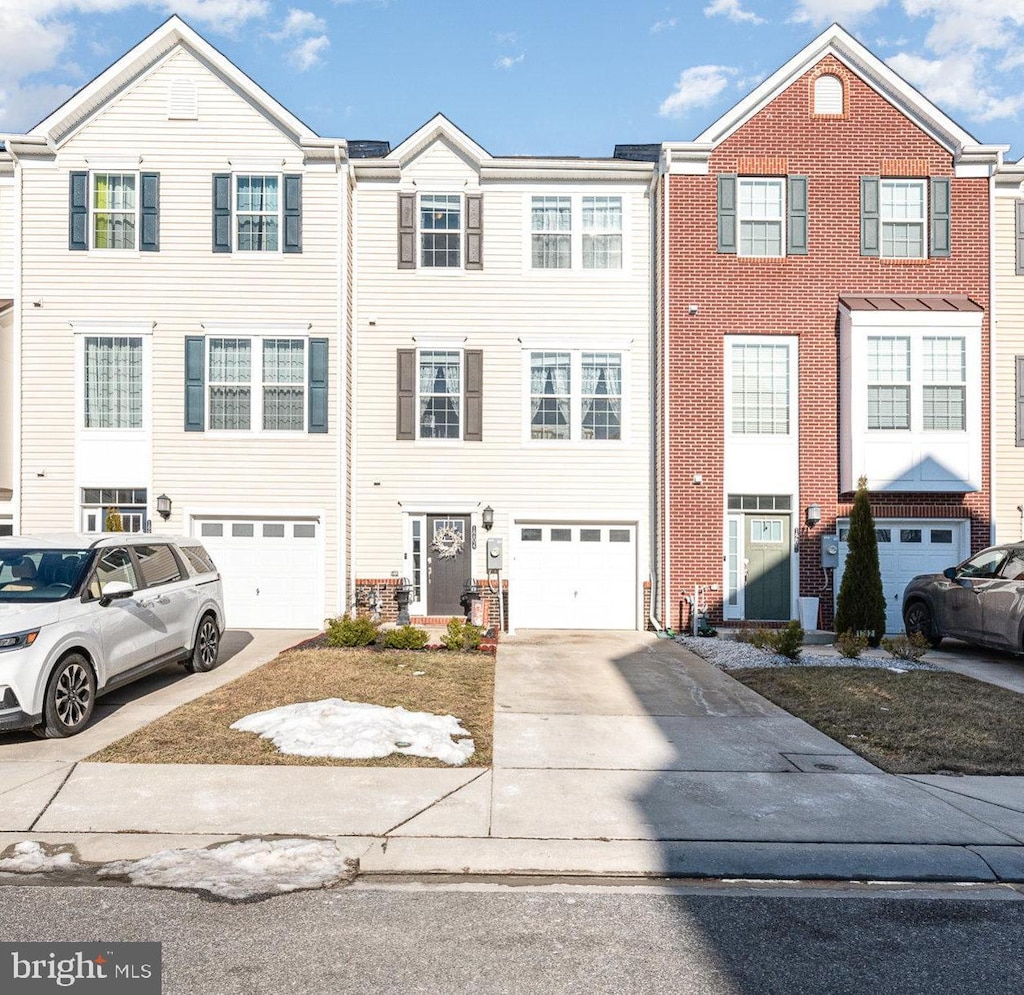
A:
{"points": [[40, 574]]}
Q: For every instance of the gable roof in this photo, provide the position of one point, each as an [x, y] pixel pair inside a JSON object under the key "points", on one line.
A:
{"points": [[838, 42], [438, 127], [174, 33]]}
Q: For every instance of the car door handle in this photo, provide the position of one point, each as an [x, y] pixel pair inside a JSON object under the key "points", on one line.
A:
{"points": [[148, 603]]}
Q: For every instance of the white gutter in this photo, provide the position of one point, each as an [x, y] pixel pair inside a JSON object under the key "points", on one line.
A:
{"points": [[353, 400], [666, 532], [17, 478], [341, 511], [992, 354], [653, 615]]}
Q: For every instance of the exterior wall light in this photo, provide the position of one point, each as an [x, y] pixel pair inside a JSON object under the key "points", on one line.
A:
{"points": [[487, 517], [163, 507], [813, 515]]}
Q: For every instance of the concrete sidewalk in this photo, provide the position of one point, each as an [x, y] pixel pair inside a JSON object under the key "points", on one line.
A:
{"points": [[615, 754]]}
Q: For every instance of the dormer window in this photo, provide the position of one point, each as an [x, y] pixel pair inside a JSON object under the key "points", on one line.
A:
{"points": [[440, 230], [828, 95]]}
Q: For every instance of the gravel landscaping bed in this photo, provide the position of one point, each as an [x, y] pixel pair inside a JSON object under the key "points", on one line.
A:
{"points": [[728, 654]]}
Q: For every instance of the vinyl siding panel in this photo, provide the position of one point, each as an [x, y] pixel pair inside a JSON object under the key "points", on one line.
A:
{"points": [[6, 404], [179, 290], [1008, 343], [8, 239], [492, 310]]}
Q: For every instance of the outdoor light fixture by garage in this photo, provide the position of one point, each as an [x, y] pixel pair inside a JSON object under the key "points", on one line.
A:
{"points": [[163, 507], [487, 517], [813, 515]]}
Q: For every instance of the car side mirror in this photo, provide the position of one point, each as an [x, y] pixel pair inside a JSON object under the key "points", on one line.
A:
{"points": [[114, 590], [949, 573]]}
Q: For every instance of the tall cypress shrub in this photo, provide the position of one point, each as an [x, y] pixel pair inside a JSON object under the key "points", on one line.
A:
{"points": [[860, 606]]}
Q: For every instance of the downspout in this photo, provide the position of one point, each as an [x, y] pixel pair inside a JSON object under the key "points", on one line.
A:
{"points": [[653, 614], [666, 474], [992, 353], [354, 397], [17, 476], [341, 510]]}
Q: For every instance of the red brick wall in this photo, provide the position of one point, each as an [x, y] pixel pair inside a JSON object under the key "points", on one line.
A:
{"points": [[797, 295]]}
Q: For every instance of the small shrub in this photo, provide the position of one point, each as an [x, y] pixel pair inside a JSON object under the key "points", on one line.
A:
{"points": [[462, 635], [707, 631], [788, 641], [408, 637], [755, 637], [851, 644], [348, 631], [906, 647]]}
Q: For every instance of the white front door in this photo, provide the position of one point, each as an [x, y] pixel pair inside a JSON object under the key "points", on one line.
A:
{"points": [[271, 569]]}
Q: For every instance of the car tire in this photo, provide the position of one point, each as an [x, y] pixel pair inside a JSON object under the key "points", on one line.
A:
{"points": [[70, 697], [918, 618], [206, 650]]}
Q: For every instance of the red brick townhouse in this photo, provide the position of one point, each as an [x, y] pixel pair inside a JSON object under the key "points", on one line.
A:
{"points": [[823, 315]]}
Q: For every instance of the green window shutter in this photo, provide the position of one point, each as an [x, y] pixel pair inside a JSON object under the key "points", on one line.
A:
{"points": [[940, 241], [407, 231], [870, 230], [318, 373], [195, 383], [1019, 231], [1020, 400], [222, 240], [406, 428], [474, 427], [149, 202], [78, 212], [797, 208], [474, 231], [292, 241], [727, 212]]}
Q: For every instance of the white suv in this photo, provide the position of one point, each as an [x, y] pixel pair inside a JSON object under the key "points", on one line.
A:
{"points": [[82, 615]]}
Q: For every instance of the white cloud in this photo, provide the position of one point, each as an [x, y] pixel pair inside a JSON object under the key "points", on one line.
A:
{"points": [[307, 53], [823, 12], [698, 86], [953, 83], [732, 9], [666, 25], [300, 22], [509, 61], [219, 15], [507, 38], [960, 24]]}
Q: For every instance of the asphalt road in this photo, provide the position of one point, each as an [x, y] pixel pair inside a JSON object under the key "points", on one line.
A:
{"points": [[538, 940]]}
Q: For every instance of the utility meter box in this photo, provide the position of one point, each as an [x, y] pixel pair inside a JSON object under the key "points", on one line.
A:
{"points": [[830, 552], [495, 555]]}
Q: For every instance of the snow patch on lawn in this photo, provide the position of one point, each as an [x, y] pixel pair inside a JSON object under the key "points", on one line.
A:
{"points": [[357, 731], [242, 870], [729, 654], [30, 857]]}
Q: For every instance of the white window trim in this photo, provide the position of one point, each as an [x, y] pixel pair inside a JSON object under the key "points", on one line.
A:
{"points": [[782, 219], [420, 232], [576, 439], [924, 222], [256, 382], [236, 215], [422, 347], [84, 510], [576, 268], [118, 329], [791, 344], [95, 171]]}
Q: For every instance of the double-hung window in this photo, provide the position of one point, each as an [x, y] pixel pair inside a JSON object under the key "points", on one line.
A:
{"points": [[257, 213], [760, 213], [903, 210], [760, 389], [440, 230], [576, 232], [944, 384], [439, 395], [551, 232], [602, 233], [888, 382], [113, 382], [115, 210], [575, 395]]}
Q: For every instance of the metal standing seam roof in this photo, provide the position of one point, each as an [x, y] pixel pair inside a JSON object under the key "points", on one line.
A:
{"points": [[929, 303]]}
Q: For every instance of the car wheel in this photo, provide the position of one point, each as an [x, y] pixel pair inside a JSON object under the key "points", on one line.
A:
{"points": [[70, 697], [918, 618], [206, 648]]}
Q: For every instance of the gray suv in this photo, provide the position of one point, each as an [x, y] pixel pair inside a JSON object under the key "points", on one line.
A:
{"points": [[980, 601], [82, 615]]}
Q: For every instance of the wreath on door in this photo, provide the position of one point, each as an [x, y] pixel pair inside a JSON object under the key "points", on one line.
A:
{"points": [[448, 541]]}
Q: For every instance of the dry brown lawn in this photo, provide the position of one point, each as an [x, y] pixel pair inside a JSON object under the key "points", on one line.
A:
{"points": [[459, 684], [918, 722]]}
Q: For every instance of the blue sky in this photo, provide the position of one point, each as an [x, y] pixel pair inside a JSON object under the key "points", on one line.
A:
{"points": [[542, 77]]}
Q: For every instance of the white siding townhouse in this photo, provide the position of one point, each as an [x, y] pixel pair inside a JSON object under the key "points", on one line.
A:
{"points": [[173, 324]]}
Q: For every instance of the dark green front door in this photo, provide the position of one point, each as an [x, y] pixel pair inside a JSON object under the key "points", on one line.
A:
{"points": [[768, 550]]}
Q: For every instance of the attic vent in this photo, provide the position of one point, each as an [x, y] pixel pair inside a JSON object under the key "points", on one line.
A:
{"points": [[828, 95], [182, 100]]}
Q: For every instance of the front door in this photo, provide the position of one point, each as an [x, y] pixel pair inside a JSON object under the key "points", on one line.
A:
{"points": [[448, 563], [768, 550]]}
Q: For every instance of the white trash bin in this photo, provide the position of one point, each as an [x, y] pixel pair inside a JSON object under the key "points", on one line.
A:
{"points": [[808, 611]]}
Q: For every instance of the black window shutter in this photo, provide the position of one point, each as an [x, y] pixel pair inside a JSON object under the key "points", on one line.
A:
{"points": [[222, 212], [870, 232], [149, 202], [474, 428], [195, 383], [474, 231], [406, 428], [797, 207], [78, 212], [407, 231], [293, 214], [318, 386], [1020, 400], [727, 212], [940, 217], [1020, 236]]}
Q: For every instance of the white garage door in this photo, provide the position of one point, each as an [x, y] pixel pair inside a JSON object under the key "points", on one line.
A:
{"points": [[907, 548], [272, 570], [573, 576]]}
